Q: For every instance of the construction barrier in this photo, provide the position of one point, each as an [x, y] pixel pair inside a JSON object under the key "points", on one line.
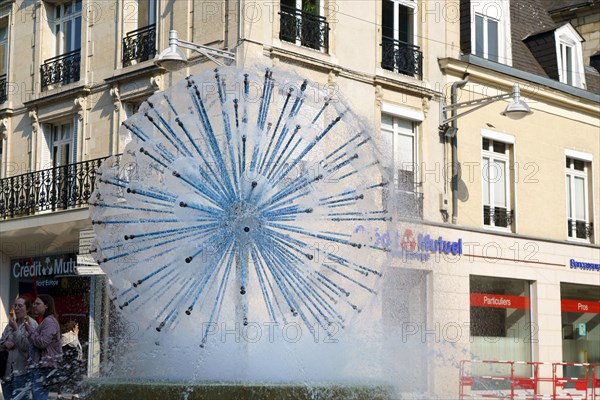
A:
{"points": [[492, 379]]}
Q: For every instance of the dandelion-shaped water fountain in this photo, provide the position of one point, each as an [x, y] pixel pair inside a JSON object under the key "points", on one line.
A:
{"points": [[229, 231]]}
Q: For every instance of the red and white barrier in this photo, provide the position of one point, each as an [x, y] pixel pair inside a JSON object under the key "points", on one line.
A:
{"points": [[485, 379]]}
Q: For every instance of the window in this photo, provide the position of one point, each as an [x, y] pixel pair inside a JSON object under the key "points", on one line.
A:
{"points": [[399, 139], [64, 68], [486, 37], [1, 156], [58, 165], [405, 302], [67, 27], [490, 30], [3, 58], [140, 24], [59, 147], [566, 63], [131, 107], [500, 321], [399, 52], [302, 22], [569, 56], [579, 225], [398, 20], [496, 178], [580, 310], [146, 14]]}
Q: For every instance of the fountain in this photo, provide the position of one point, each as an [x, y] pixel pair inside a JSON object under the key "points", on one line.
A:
{"points": [[237, 233]]}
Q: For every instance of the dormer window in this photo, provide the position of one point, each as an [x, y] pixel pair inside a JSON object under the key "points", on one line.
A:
{"points": [[569, 56]]}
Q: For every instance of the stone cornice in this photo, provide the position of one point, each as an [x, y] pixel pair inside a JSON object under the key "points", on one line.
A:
{"points": [[419, 90], [532, 89], [68, 93]]}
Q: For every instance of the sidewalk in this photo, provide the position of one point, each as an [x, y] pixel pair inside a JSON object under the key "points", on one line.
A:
{"points": [[52, 396]]}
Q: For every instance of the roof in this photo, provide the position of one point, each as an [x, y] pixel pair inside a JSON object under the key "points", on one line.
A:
{"points": [[528, 17], [556, 6]]}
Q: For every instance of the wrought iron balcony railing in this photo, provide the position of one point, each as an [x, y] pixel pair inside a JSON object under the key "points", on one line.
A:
{"points": [[500, 216], [411, 204], [580, 229], [139, 45], [58, 188], [400, 57], [3, 84], [305, 28], [62, 69]]}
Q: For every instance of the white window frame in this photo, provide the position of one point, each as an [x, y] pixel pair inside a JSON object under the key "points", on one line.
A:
{"points": [[571, 206], [411, 4], [152, 12], [131, 14], [414, 117], [4, 41], [2, 156], [497, 11], [492, 156], [61, 20], [566, 37], [49, 144]]}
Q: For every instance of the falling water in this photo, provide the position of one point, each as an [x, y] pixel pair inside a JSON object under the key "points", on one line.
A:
{"points": [[237, 233]]}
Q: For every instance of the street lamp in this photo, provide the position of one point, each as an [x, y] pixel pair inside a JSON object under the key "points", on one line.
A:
{"points": [[516, 109], [173, 59]]}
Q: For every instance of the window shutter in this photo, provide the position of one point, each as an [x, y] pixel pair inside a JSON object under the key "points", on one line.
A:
{"points": [[75, 137], [45, 154]]}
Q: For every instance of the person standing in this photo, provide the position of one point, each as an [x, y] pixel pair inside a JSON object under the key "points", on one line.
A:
{"points": [[15, 340], [46, 345], [72, 359]]}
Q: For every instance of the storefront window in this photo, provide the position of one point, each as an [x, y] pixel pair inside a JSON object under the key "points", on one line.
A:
{"points": [[406, 329], [55, 275], [500, 324], [580, 306]]}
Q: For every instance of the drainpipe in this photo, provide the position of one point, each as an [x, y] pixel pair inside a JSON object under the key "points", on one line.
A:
{"points": [[455, 86]]}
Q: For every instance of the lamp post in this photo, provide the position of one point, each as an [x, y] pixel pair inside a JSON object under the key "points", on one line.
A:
{"points": [[516, 109], [173, 59]]}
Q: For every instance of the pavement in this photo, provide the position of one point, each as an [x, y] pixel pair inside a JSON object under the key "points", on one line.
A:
{"points": [[52, 396]]}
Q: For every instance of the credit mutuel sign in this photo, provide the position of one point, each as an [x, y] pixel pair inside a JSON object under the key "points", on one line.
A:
{"points": [[46, 266]]}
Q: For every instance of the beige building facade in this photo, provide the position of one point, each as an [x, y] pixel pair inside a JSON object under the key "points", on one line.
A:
{"points": [[518, 199]]}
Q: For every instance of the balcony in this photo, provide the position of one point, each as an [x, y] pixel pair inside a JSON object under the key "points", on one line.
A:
{"points": [[139, 45], [400, 57], [500, 216], [53, 189], [62, 69], [580, 229], [411, 204], [3, 85], [303, 28]]}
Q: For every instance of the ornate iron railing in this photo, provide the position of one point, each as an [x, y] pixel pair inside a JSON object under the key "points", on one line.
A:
{"points": [[139, 45], [500, 216], [3, 84], [62, 69], [582, 229], [58, 188], [411, 204], [308, 29], [400, 57]]}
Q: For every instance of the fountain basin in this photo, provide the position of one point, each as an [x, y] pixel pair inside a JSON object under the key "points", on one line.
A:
{"points": [[110, 389]]}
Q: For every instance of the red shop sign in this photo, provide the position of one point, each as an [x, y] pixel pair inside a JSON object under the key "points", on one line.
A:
{"points": [[499, 301], [580, 306]]}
